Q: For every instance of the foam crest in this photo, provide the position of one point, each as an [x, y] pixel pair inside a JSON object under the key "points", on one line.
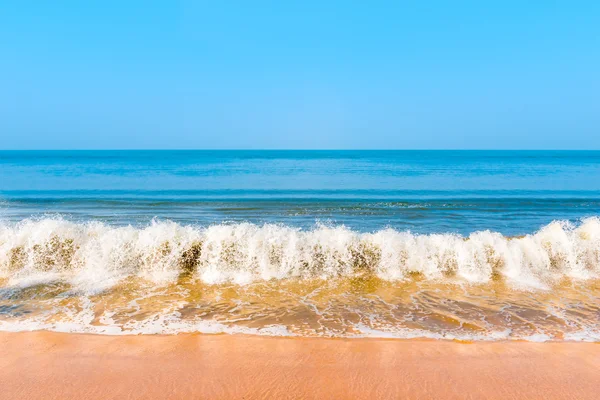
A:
{"points": [[94, 256]]}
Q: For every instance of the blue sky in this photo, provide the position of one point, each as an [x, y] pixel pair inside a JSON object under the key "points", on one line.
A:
{"points": [[311, 74]]}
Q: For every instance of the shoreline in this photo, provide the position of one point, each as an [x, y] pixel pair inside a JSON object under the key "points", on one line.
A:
{"points": [[50, 365]]}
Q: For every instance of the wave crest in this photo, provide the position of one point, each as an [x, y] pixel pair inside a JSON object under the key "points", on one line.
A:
{"points": [[94, 256]]}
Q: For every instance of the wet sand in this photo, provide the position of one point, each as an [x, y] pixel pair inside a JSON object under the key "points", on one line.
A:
{"points": [[44, 365]]}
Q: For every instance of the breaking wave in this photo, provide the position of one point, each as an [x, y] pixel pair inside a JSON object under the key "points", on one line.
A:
{"points": [[94, 256]]}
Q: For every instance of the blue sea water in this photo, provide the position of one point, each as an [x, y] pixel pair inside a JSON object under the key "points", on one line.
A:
{"points": [[470, 245], [512, 192]]}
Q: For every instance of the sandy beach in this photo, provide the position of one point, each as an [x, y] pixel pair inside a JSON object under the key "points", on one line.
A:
{"points": [[44, 365]]}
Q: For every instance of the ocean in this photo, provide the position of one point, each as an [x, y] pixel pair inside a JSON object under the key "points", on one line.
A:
{"points": [[468, 245]]}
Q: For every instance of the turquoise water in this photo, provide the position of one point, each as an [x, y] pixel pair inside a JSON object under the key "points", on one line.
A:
{"points": [[511, 192]]}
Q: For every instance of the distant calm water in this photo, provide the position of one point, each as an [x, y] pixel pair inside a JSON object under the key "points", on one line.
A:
{"points": [[512, 192], [472, 245]]}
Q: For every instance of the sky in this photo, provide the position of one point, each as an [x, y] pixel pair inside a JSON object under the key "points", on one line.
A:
{"points": [[300, 75]]}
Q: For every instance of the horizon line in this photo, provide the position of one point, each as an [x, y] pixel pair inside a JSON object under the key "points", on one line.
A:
{"points": [[289, 149]]}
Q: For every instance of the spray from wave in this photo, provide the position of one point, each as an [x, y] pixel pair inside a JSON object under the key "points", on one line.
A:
{"points": [[95, 256], [275, 279]]}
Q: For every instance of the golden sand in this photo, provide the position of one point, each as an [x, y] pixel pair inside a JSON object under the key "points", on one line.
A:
{"points": [[44, 365]]}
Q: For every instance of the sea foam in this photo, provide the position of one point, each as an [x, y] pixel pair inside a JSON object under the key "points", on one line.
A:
{"points": [[93, 256]]}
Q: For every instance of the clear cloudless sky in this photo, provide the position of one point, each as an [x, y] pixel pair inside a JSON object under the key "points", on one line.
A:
{"points": [[300, 74]]}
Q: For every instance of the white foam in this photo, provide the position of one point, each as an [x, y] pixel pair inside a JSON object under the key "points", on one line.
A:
{"points": [[95, 256], [405, 333]]}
